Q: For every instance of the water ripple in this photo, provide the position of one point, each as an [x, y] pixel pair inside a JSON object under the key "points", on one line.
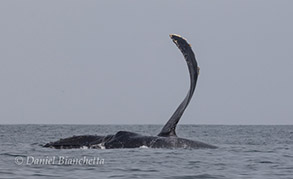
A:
{"points": [[244, 152]]}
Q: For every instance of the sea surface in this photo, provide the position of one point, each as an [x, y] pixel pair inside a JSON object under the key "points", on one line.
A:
{"points": [[243, 152]]}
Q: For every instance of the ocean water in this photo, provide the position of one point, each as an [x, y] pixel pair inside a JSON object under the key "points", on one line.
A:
{"points": [[244, 152]]}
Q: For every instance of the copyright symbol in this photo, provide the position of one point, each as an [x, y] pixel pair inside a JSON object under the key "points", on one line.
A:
{"points": [[18, 160]]}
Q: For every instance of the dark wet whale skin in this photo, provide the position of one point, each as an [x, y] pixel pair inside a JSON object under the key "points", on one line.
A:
{"points": [[167, 138], [125, 139]]}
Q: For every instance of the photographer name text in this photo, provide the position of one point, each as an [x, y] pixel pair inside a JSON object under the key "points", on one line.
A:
{"points": [[58, 160]]}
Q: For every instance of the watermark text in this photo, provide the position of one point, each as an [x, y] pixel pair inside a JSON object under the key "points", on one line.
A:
{"points": [[58, 160]]}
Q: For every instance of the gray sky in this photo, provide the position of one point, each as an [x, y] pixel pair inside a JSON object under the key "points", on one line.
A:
{"points": [[112, 62]]}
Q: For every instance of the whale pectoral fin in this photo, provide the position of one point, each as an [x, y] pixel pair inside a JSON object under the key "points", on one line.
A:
{"points": [[185, 48]]}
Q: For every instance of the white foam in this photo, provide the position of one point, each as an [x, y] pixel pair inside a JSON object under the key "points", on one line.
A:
{"points": [[98, 146], [143, 147], [101, 145]]}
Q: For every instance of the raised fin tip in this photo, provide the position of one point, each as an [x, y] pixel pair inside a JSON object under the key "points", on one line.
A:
{"points": [[175, 35]]}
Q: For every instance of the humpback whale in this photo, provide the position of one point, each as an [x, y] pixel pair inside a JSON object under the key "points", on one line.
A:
{"points": [[167, 138]]}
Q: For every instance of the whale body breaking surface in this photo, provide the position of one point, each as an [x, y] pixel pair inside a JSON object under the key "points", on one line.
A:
{"points": [[167, 138]]}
